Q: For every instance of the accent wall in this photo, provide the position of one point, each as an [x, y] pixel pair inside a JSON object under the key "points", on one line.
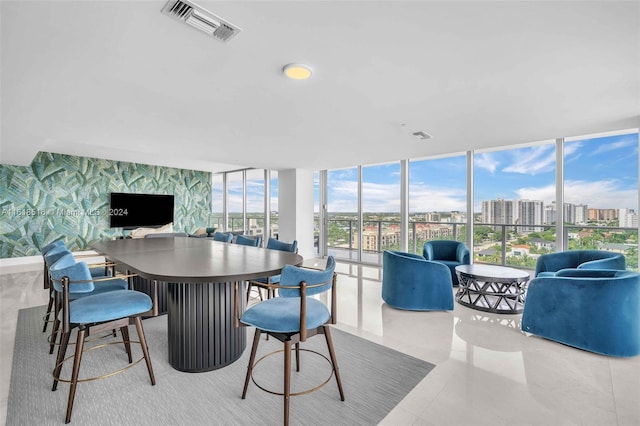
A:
{"points": [[67, 197]]}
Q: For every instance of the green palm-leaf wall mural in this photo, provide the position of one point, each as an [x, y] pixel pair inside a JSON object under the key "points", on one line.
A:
{"points": [[67, 197]]}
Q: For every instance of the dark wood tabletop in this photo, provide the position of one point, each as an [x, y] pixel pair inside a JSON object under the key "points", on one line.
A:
{"points": [[195, 259]]}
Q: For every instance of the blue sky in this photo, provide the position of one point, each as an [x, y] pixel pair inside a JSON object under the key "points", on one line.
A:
{"points": [[601, 172]]}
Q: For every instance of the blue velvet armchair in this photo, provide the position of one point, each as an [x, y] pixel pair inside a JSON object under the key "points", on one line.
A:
{"points": [[411, 282], [450, 253], [597, 310], [548, 264]]}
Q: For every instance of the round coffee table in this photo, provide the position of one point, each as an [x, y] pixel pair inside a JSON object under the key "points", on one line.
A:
{"points": [[491, 288]]}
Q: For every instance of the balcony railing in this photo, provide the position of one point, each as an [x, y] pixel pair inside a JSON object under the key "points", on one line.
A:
{"points": [[499, 244]]}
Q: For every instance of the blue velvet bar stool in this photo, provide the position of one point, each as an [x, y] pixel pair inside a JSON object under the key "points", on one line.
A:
{"points": [[54, 252], [272, 244], [65, 258], [292, 317], [46, 279], [94, 313], [224, 237], [249, 241]]}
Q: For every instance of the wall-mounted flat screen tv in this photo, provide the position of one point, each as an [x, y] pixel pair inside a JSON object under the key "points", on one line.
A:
{"points": [[131, 211]]}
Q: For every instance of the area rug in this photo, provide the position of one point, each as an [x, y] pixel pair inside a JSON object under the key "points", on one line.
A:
{"points": [[375, 379]]}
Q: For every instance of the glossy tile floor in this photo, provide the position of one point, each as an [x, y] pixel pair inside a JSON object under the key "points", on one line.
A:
{"points": [[487, 371]]}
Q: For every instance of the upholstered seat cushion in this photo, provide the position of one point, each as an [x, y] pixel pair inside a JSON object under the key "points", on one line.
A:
{"points": [[109, 306], [282, 315]]}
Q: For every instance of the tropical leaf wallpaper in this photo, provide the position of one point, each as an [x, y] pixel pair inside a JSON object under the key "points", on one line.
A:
{"points": [[64, 196]]}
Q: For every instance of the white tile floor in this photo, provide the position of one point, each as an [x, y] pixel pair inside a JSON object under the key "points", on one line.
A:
{"points": [[487, 371]]}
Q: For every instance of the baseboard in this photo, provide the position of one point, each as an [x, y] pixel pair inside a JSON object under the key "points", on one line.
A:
{"points": [[14, 265]]}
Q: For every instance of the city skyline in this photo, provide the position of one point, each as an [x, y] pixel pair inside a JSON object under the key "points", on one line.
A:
{"points": [[601, 172]]}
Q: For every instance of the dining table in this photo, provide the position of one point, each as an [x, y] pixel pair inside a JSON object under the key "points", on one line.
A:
{"points": [[200, 276]]}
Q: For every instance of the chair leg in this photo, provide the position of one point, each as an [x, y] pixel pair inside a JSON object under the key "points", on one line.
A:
{"points": [[56, 322], [249, 292], [252, 358], [145, 348], [62, 352], [48, 315], [334, 361], [76, 371], [127, 342], [287, 379], [54, 335], [297, 356]]}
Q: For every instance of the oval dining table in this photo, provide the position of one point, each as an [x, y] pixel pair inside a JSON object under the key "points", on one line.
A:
{"points": [[200, 275]]}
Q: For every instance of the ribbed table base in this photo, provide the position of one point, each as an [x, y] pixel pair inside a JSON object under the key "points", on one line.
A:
{"points": [[202, 336]]}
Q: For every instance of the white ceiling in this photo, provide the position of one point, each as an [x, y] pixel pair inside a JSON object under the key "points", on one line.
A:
{"points": [[120, 80]]}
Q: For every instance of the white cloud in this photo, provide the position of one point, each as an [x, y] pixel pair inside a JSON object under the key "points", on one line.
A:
{"points": [[602, 194], [426, 198], [486, 161], [534, 160], [628, 142]]}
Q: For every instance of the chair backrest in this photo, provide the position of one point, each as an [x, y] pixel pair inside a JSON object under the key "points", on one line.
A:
{"points": [[55, 254], [249, 241], [445, 250], [274, 244], [294, 275], [584, 259], [66, 266], [50, 246], [224, 237]]}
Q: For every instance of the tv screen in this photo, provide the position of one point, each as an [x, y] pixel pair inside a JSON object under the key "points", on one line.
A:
{"points": [[130, 211]]}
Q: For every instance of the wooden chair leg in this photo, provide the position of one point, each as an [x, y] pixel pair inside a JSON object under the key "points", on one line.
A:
{"points": [[334, 361], [297, 356], [48, 315], [145, 348], [54, 335], [287, 379], [252, 358], [127, 342], [76, 371], [62, 352]]}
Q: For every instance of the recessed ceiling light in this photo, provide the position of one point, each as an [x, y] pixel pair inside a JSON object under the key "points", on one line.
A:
{"points": [[297, 71]]}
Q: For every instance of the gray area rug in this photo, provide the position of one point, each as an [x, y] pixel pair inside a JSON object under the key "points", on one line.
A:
{"points": [[375, 379]]}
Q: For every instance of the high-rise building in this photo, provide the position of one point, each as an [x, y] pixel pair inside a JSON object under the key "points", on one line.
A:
{"points": [[582, 214], [531, 213], [550, 214], [628, 218], [500, 212]]}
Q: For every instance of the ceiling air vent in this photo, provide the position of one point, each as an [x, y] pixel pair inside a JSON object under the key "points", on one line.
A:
{"points": [[201, 19]]}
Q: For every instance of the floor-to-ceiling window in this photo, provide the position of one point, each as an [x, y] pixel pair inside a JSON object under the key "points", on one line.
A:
{"points": [[514, 187], [437, 200], [242, 201], [601, 194], [235, 201], [380, 211], [273, 203], [217, 201], [342, 211], [255, 193]]}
